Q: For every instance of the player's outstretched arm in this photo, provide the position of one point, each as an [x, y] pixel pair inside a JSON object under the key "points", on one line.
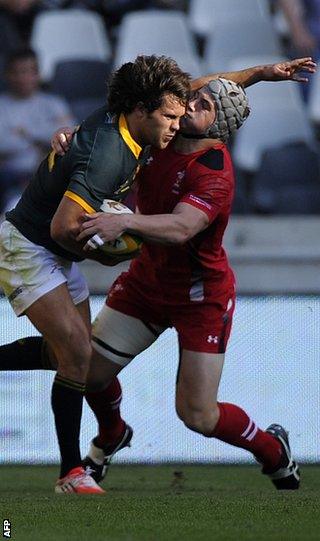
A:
{"points": [[282, 71]]}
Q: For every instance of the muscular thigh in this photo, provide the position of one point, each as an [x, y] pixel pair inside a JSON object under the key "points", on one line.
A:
{"points": [[198, 380], [56, 317]]}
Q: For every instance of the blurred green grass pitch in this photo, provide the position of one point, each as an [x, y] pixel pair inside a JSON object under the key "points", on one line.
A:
{"points": [[162, 503]]}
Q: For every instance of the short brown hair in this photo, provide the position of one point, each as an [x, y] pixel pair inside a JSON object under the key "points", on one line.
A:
{"points": [[146, 80]]}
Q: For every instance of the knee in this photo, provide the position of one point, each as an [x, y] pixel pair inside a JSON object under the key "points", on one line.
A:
{"points": [[76, 343], [97, 382], [200, 420], [73, 353], [101, 373]]}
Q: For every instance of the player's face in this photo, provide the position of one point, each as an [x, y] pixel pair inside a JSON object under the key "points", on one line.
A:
{"points": [[200, 112], [159, 127]]}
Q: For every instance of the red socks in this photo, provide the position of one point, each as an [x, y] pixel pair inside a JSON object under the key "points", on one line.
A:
{"points": [[235, 427], [106, 407]]}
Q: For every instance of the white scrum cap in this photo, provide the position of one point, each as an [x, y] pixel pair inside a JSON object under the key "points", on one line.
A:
{"points": [[232, 108]]}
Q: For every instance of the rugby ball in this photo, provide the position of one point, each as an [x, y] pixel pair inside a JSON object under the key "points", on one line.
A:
{"points": [[126, 243]]}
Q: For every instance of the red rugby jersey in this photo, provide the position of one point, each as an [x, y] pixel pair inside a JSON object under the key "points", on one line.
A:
{"points": [[198, 270]]}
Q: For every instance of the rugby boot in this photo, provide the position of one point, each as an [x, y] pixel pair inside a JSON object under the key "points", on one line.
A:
{"points": [[287, 475], [78, 481], [98, 459]]}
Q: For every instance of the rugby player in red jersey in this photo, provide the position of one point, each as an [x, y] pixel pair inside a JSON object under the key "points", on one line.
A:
{"points": [[184, 198]]}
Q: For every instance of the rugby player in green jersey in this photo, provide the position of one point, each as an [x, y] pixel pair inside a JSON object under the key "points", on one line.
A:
{"points": [[38, 246]]}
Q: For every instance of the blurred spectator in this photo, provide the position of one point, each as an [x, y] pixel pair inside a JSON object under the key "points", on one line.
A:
{"points": [[303, 17], [20, 14], [113, 10], [28, 117], [10, 37]]}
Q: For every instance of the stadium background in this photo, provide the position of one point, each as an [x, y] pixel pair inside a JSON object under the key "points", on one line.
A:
{"points": [[273, 241], [269, 371]]}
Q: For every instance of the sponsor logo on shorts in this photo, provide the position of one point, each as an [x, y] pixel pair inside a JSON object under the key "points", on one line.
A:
{"points": [[114, 289], [213, 339], [55, 268], [15, 293]]}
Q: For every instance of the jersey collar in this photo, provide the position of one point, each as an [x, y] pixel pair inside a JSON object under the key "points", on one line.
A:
{"points": [[125, 134]]}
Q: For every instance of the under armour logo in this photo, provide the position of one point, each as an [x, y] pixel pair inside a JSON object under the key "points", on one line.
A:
{"points": [[214, 339], [149, 160], [115, 288]]}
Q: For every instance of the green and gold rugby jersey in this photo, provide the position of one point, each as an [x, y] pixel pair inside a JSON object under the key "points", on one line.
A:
{"points": [[101, 164]]}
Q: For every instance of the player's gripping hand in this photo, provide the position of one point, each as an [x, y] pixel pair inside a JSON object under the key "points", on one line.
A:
{"points": [[61, 139], [100, 228]]}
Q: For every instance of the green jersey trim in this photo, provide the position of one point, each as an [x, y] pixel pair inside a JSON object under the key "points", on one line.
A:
{"points": [[127, 137]]}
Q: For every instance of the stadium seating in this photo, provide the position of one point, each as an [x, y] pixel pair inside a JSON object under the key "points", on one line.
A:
{"points": [[78, 79], [241, 202], [68, 34], [2, 78], [233, 39], [288, 181], [206, 15], [269, 126], [157, 32], [83, 107]]}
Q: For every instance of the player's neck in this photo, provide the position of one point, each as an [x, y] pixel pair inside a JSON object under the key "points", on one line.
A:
{"points": [[134, 129], [188, 146]]}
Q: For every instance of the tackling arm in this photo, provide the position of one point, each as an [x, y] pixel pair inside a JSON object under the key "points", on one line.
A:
{"points": [[176, 228]]}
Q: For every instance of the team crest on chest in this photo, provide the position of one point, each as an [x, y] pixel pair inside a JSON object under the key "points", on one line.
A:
{"points": [[177, 184]]}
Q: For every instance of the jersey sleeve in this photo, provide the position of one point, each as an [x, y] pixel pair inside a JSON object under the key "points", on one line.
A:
{"points": [[210, 183], [93, 167], [209, 193]]}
